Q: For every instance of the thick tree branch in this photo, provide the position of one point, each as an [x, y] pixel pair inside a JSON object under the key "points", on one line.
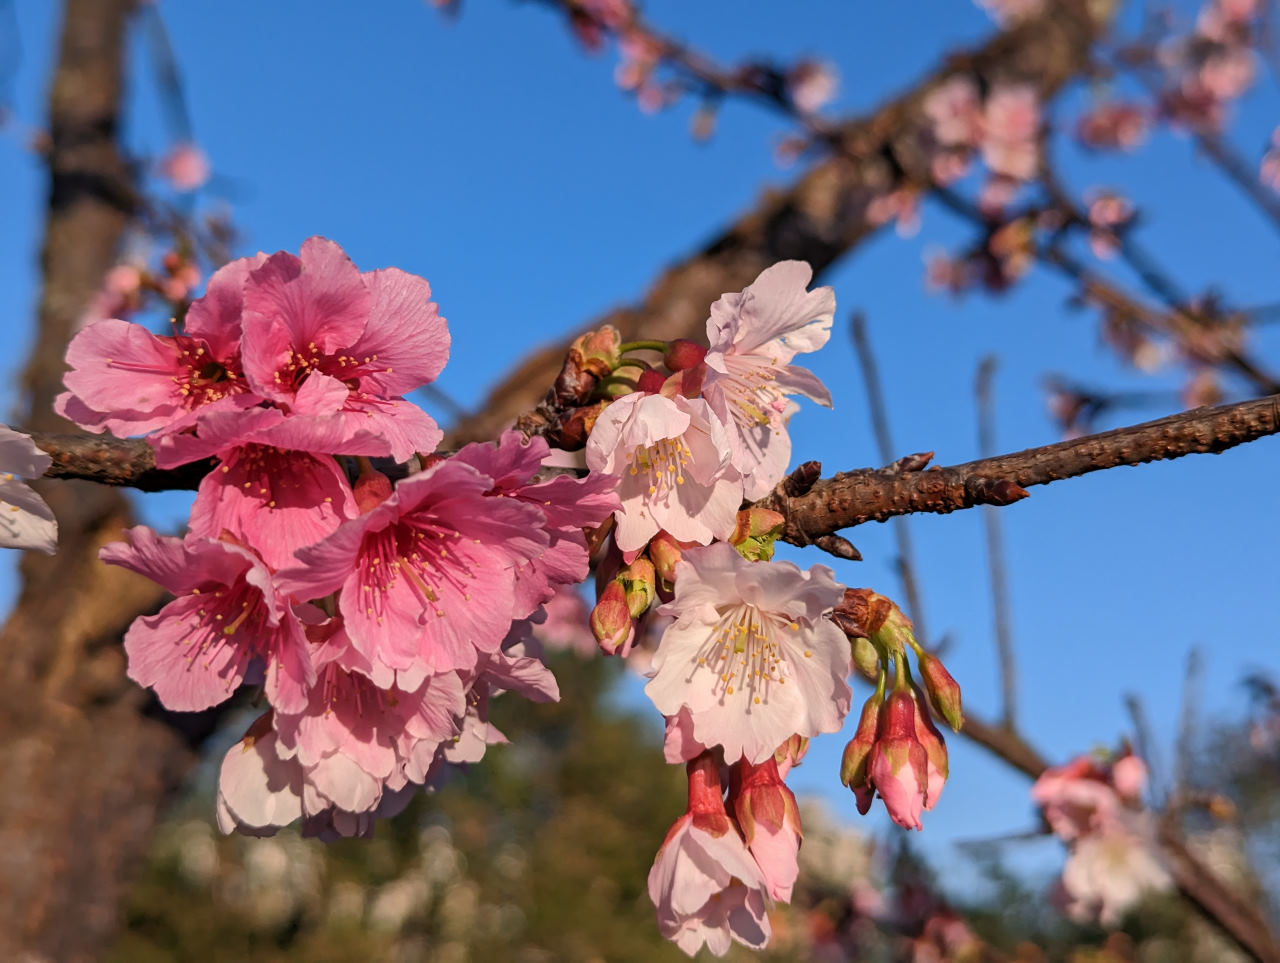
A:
{"points": [[821, 216]]}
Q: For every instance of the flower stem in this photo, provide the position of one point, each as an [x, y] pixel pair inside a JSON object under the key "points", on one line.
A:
{"points": [[628, 346]]}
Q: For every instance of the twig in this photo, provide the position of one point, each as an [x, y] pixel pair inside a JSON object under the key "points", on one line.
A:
{"points": [[1144, 743], [884, 443], [1188, 718], [995, 550]]}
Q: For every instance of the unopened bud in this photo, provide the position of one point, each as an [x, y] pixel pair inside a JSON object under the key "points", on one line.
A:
{"points": [[943, 691], [611, 621], [756, 531], [790, 753], [651, 382], [665, 552], [853, 766], [865, 658], [597, 351], [639, 584], [371, 489], [682, 354], [935, 749]]}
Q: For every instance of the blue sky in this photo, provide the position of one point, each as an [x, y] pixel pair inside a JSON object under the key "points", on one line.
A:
{"points": [[495, 158]]}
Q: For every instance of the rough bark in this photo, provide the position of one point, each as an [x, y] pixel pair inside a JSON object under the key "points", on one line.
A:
{"points": [[82, 768]]}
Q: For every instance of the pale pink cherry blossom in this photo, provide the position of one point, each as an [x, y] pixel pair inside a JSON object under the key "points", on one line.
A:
{"points": [[753, 335], [334, 346], [752, 654], [1076, 799], [426, 580], [229, 612], [811, 84], [955, 112], [26, 522], [353, 738], [1010, 122], [671, 459], [259, 790], [130, 382], [568, 505], [707, 888], [766, 811], [1107, 211], [1129, 777], [1108, 872], [565, 627], [186, 167]]}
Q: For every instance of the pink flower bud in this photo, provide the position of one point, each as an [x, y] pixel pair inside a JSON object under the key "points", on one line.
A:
{"points": [[770, 822], [665, 552], [935, 748], [611, 621], [943, 691], [639, 584], [371, 489], [682, 354], [853, 766], [790, 753], [756, 531], [899, 765]]}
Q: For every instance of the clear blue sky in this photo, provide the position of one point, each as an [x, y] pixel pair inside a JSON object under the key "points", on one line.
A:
{"points": [[495, 158]]}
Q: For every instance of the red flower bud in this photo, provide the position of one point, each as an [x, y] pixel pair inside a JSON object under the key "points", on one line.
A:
{"points": [[853, 767], [651, 382], [611, 621], [683, 353]]}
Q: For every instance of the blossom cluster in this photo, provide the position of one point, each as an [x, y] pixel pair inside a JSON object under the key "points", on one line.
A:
{"points": [[378, 618], [1094, 806]]}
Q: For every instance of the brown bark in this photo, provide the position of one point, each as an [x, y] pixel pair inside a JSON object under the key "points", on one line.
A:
{"points": [[821, 216], [82, 770]]}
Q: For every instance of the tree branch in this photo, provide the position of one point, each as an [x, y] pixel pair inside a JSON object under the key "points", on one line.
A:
{"points": [[853, 498]]}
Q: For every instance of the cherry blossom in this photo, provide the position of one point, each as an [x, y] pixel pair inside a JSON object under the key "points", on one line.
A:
{"points": [[751, 654], [671, 460], [25, 520], [704, 883], [753, 335], [229, 611]]}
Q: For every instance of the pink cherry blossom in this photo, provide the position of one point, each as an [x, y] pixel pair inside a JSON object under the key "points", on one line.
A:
{"points": [[954, 110], [130, 382], [670, 457], [25, 520], [426, 580], [751, 654], [332, 345], [1011, 120], [228, 612], [704, 883], [1108, 872], [1076, 799], [753, 335], [568, 505]]}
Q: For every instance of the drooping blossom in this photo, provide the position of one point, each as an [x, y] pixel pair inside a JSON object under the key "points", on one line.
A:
{"points": [[753, 335], [704, 883], [229, 613], [751, 654], [25, 520], [671, 460]]}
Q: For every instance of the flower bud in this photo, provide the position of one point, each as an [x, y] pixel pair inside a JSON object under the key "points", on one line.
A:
{"points": [[683, 353], [943, 691], [899, 765], [935, 748], [770, 820], [650, 381], [665, 552], [611, 621], [639, 584], [790, 753], [371, 489], [597, 351], [865, 658], [756, 531], [853, 766]]}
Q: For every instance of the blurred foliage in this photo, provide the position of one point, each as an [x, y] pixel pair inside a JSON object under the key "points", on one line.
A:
{"points": [[541, 853]]}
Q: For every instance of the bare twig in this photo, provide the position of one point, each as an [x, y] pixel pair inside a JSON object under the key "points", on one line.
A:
{"points": [[884, 443], [995, 550], [1188, 727]]}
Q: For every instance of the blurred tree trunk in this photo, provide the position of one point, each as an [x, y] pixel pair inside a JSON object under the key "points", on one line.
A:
{"points": [[83, 770]]}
